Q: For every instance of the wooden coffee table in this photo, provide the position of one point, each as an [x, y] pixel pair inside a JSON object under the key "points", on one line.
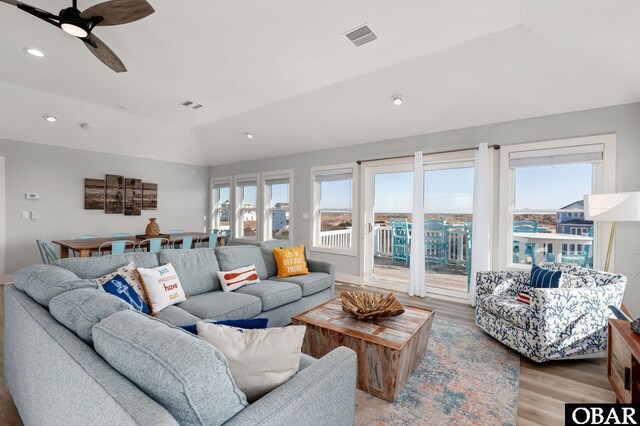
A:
{"points": [[388, 350]]}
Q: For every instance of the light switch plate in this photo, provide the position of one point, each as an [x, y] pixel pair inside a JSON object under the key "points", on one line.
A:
{"points": [[25, 214], [34, 214]]}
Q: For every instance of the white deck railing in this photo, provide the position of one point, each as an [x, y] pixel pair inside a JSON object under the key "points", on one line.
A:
{"points": [[383, 242], [338, 238]]}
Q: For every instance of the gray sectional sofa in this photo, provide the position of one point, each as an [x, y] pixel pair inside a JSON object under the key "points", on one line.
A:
{"points": [[76, 355]]}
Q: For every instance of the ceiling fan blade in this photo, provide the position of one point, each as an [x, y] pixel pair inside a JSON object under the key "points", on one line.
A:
{"points": [[117, 12], [13, 2], [38, 13], [102, 52]]}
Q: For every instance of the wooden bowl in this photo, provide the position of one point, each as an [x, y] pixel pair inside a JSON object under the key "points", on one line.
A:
{"points": [[370, 305]]}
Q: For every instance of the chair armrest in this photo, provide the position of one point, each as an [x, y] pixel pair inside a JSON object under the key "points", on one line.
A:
{"points": [[559, 313], [322, 394], [322, 266], [494, 282]]}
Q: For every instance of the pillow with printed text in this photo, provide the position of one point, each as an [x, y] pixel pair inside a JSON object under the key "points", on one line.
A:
{"points": [[162, 287]]}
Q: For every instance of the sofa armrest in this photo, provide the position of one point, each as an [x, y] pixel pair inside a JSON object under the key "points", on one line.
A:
{"points": [[322, 266], [492, 282], [321, 394], [561, 313]]}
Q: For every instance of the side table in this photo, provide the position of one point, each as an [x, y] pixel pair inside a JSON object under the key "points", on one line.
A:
{"points": [[623, 366]]}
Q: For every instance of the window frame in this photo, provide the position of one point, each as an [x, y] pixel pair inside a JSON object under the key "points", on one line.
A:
{"points": [[603, 181], [213, 205], [315, 210], [237, 217], [266, 203]]}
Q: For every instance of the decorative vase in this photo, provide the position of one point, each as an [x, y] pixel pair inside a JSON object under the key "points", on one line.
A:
{"points": [[153, 229]]}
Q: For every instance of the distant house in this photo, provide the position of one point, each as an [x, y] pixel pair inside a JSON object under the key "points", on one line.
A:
{"points": [[224, 217], [280, 217], [573, 222]]}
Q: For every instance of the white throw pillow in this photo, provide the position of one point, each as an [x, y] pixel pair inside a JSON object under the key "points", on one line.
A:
{"points": [[162, 287], [128, 272], [260, 360], [236, 278]]}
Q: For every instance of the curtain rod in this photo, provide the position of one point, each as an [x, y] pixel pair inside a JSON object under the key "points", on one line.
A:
{"points": [[429, 153]]}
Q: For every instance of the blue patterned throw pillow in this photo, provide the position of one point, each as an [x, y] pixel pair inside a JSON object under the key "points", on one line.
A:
{"points": [[251, 323], [544, 278], [119, 287]]}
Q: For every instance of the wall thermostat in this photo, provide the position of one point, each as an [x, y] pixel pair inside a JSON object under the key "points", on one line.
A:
{"points": [[31, 195]]}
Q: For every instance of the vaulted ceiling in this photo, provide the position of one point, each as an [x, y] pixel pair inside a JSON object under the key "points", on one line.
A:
{"points": [[284, 72]]}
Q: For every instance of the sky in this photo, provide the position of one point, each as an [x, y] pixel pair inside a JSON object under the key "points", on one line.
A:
{"points": [[451, 190]]}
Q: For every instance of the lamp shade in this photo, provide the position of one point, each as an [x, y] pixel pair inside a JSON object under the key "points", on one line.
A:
{"points": [[620, 207]]}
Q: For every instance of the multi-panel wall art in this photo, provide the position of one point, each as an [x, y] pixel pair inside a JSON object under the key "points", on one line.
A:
{"points": [[119, 195]]}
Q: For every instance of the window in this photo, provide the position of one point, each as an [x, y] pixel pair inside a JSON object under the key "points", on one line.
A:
{"points": [[277, 205], [542, 199], [333, 215], [246, 207], [220, 204]]}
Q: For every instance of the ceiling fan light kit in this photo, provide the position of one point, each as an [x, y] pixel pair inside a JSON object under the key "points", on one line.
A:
{"points": [[80, 24]]}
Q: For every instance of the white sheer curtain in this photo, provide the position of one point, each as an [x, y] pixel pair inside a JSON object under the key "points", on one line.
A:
{"points": [[482, 216], [417, 285]]}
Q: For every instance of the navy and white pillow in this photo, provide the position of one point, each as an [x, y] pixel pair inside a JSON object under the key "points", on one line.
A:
{"points": [[248, 324], [119, 287], [544, 278]]}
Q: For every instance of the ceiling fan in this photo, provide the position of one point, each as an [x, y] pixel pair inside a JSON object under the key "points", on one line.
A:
{"points": [[80, 24]]}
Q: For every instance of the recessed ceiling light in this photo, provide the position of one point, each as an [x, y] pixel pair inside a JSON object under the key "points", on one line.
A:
{"points": [[34, 52], [397, 100], [249, 135], [50, 118]]}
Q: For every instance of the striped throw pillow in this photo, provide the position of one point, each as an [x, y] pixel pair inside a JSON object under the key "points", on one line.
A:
{"points": [[524, 298], [236, 278], [544, 278]]}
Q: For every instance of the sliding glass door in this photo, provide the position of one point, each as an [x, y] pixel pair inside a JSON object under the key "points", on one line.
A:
{"points": [[448, 205]]}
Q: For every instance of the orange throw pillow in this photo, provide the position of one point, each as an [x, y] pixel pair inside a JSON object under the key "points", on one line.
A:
{"points": [[290, 261]]}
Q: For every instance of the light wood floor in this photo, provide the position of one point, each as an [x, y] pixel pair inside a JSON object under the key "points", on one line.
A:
{"points": [[543, 391], [447, 277]]}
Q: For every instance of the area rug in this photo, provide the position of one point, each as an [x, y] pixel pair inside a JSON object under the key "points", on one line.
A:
{"points": [[465, 378]]}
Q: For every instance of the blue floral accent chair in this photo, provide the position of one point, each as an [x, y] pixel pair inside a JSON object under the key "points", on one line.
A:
{"points": [[565, 322]]}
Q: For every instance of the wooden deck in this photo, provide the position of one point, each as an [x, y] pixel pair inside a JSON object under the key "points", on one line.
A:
{"points": [[447, 277]]}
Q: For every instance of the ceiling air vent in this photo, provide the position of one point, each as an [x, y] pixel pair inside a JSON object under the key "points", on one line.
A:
{"points": [[192, 104], [361, 35]]}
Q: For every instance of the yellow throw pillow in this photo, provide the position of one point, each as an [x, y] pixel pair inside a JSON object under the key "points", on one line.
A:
{"points": [[290, 261]]}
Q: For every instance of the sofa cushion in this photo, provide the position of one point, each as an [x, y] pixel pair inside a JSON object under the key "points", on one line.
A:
{"points": [[291, 261], [79, 310], [184, 374], [222, 305], [506, 308], [311, 283], [176, 316], [273, 293], [234, 257], [266, 247], [196, 268], [44, 282], [94, 267]]}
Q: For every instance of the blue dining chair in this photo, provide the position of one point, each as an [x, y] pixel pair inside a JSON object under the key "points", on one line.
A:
{"points": [[529, 248], [121, 234], [213, 239], [48, 253], [435, 241], [86, 237], [400, 243], [176, 231], [155, 244], [183, 243], [116, 247]]}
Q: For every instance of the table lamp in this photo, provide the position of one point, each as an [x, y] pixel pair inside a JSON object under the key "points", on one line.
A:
{"points": [[619, 207]]}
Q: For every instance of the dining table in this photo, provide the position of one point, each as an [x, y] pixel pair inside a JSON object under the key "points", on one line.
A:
{"points": [[541, 238], [85, 247]]}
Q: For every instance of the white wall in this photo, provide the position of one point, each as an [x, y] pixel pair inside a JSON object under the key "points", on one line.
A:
{"points": [[58, 174], [623, 120]]}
